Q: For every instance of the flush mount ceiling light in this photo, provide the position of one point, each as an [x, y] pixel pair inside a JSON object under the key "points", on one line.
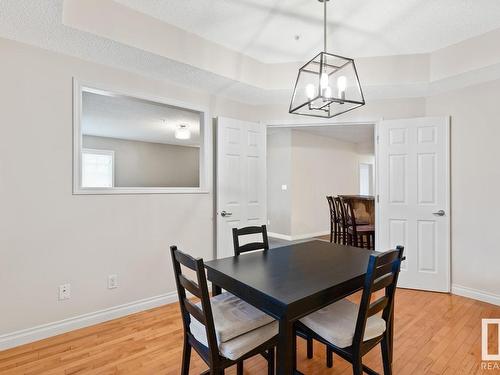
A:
{"points": [[328, 85], [182, 132]]}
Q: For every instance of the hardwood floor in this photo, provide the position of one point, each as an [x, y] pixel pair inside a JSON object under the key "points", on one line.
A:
{"points": [[434, 334]]}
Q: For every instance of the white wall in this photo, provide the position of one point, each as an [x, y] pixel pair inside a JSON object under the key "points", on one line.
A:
{"points": [[49, 236], [475, 182]]}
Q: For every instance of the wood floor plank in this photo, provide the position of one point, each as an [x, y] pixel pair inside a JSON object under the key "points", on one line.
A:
{"points": [[434, 334]]}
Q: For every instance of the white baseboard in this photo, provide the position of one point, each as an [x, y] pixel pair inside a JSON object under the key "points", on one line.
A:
{"points": [[310, 235], [279, 236], [10, 340], [475, 294], [298, 236]]}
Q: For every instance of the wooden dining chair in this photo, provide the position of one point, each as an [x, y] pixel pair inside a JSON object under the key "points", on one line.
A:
{"points": [[223, 330], [237, 233], [352, 330], [334, 221], [359, 234]]}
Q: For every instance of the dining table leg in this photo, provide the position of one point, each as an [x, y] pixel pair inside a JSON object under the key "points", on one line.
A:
{"points": [[285, 356], [216, 290], [284, 352]]}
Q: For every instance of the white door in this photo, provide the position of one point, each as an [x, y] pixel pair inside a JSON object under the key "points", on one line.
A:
{"points": [[414, 198], [240, 178]]}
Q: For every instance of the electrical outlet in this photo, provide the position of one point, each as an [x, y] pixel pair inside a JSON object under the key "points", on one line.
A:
{"points": [[64, 291], [284, 187], [112, 281]]}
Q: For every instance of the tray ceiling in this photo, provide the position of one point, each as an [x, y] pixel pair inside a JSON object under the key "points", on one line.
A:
{"points": [[266, 29]]}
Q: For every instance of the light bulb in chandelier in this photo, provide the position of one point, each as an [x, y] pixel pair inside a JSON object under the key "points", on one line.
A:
{"points": [[341, 86], [327, 92], [310, 91], [323, 81]]}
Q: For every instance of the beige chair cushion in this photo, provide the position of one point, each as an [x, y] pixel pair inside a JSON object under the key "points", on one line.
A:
{"points": [[239, 327], [337, 323], [237, 347], [232, 317]]}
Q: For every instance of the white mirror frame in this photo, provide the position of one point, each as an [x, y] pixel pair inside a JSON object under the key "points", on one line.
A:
{"points": [[205, 131]]}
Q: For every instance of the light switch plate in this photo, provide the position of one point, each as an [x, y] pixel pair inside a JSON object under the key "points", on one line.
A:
{"points": [[64, 292], [112, 281]]}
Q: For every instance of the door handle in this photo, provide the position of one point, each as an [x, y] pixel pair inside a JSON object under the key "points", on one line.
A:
{"points": [[226, 214], [439, 213]]}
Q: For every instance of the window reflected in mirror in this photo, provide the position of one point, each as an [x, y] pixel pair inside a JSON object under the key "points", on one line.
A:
{"points": [[128, 142]]}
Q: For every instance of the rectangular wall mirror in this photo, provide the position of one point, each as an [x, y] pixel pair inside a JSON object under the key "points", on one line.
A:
{"points": [[129, 144]]}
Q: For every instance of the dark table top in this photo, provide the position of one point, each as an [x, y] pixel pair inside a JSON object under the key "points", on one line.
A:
{"points": [[290, 275]]}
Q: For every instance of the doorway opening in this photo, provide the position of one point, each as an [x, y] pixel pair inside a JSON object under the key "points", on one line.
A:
{"points": [[307, 163]]}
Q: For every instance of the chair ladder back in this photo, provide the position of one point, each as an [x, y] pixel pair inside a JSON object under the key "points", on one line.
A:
{"points": [[334, 220], [343, 224], [351, 215], [200, 290], [382, 273], [331, 205], [239, 249]]}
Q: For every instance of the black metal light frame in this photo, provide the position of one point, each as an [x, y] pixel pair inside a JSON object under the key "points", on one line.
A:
{"points": [[323, 63]]}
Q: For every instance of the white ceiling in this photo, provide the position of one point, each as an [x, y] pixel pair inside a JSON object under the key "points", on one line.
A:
{"points": [[266, 29], [129, 118], [354, 133]]}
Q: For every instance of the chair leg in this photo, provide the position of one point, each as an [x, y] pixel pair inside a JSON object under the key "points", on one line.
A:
{"points": [[329, 357], [270, 361], [309, 348], [386, 356], [186, 357], [239, 368], [357, 366]]}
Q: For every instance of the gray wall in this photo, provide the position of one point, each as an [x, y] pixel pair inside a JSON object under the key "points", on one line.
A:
{"points": [[147, 164], [279, 164]]}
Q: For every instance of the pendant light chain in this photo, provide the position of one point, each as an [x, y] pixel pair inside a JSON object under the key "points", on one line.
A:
{"points": [[324, 25]]}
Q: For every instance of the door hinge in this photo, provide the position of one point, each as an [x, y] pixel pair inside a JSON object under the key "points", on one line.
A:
{"points": [[378, 198], [378, 139]]}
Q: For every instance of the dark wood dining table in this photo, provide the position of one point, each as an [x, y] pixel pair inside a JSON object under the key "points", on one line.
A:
{"points": [[290, 282]]}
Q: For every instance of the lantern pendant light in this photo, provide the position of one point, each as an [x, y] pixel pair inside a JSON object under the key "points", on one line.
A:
{"points": [[328, 85]]}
